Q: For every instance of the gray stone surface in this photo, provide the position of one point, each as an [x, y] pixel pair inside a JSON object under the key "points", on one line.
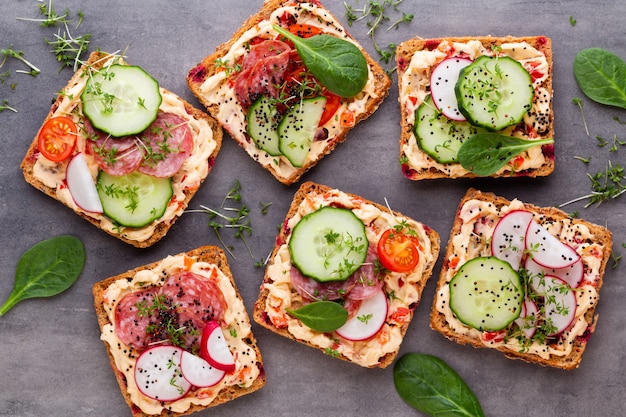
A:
{"points": [[51, 358]]}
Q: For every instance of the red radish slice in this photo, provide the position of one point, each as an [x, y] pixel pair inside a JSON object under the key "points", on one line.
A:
{"points": [[198, 371], [507, 241], [560, 304], [442, 82], [81, 185], [547, 250], [572, 274], [368, 320], [158, 374], [527, 320], [214, 348]]}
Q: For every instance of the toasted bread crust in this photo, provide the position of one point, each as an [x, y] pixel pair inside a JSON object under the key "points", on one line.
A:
{"points": [[260, 314], [405, 52], [212, 255], [600, 234], [96, 60], [207, 68]]}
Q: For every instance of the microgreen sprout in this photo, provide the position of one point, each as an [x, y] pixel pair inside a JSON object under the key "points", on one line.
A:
{"points": [[577, 101], [19, 55]]}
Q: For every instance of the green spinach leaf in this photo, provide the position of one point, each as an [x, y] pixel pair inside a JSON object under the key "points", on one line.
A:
{"points": [[432, 387], [601, 75], [336, 63], [46, 269], [485, 153], [321, 316]]}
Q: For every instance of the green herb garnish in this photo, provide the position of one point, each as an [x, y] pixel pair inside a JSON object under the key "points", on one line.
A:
{"points": [[321, 316]]}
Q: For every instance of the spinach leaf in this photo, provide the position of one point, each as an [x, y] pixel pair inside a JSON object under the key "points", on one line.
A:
{"points": [[321, 316], [601, 75], [485, 153], [432, 387], [46, 269], [336, 63]]}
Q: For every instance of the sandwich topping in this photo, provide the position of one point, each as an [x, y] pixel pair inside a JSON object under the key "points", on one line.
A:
{"points": [[468, 94], [262, 81], [169, 155], [555, 269], [180, 304], [367, 291]]}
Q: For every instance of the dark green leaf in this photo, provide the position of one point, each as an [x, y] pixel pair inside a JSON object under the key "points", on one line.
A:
{"points": [[321, 316], [46, 269], [485, 153], [432, 387], [601, 75], [336, 63]]}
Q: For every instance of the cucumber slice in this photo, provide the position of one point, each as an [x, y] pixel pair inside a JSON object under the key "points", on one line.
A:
{"points": [[328, 244], [121, 100], [494, 92], [297, 129], [135, 199], [439, 136], [262, 121], [486, 293]]}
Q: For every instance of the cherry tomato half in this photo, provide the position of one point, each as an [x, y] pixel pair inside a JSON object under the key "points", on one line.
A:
{"points": [[57, 138], [333, 102], [397, 252]]}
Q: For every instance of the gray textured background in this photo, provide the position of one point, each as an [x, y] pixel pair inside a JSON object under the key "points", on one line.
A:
{"points": [[51, 358]]}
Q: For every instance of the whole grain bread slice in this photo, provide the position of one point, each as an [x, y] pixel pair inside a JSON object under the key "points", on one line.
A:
{"points": [[96, 61], [416, 164], [260, 313], [215, 62], [212, 255], [544, 215]]}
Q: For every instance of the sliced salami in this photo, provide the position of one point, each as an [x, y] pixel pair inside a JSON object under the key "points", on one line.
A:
{"points": [[368, 283], [195, 293], [264, 70], [133, 316], [311, 289], [115, 156], [166, 144]]}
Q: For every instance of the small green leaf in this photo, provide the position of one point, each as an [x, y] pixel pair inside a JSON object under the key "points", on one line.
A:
{"points": [[321, 316], [432, 387], [485, 153], [337, 64], [46, 269], [601, 75]]}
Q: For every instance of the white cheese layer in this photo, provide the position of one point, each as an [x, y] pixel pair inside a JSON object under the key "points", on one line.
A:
{"points": [[189, 177], [415, 86], [235, 319], [479, 219], [283, 296], [218, 91]]}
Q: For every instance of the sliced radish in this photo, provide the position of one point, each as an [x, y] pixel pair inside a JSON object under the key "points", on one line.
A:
{"points": [[572, 274], [198, 371], [81, 185], [368, 320], [547, 250], [507, 241], [527, 320], [442, 82], [158, 374], [214, 348], [560, 304]]}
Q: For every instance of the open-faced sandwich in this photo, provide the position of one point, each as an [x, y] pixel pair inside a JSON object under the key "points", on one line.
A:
{"points": [[521, 279], [121, 151], [289, 86], [476, 106], [178, 335], [346, 275]]}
